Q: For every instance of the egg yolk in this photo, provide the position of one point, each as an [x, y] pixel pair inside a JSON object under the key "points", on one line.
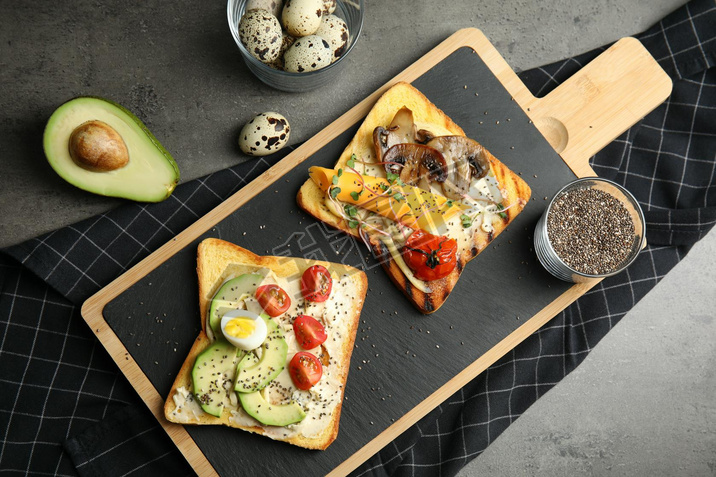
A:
{"points": [[240, 327]]}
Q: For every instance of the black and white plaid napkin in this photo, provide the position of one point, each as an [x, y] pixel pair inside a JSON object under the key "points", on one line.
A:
{"points": [[65, 409]]}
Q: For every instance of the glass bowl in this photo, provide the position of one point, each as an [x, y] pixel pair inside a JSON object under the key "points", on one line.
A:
{"points": [[351, 11], [556, 265]]}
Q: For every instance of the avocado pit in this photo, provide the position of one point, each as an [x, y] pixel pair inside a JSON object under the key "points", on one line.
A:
{"points": [[96, 146]]}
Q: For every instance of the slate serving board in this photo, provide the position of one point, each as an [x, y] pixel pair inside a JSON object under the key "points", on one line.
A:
{"points": [[404, 363]]}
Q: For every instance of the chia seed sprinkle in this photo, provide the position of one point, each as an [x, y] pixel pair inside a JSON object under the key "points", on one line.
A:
{"points": [[590, 230]]}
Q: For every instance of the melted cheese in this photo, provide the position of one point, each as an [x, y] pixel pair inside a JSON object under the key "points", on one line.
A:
{"points": [[421, 285], [411, 206], [367, 192], [481, 210]]}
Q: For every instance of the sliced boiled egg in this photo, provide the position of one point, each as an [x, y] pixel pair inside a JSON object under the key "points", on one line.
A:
{"points": [[244, 329]]}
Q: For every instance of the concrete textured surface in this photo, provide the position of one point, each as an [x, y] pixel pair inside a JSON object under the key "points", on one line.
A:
{"points": [[643, 401]]}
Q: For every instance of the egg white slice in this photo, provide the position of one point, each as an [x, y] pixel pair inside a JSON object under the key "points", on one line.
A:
{"points": [[256, 336]]}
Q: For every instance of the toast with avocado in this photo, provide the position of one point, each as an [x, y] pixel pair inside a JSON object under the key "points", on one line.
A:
{"points": [[274, 350], [422, 196]]}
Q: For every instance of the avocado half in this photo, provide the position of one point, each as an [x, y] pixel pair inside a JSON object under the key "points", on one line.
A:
{"points": [[150, 174]]}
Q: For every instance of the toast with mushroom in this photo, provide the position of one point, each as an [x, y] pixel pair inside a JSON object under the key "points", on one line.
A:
{"points": [[422, 196], [268, 362]]}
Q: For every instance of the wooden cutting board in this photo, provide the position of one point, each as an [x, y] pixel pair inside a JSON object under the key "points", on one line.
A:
{"points": [[405, 363]]}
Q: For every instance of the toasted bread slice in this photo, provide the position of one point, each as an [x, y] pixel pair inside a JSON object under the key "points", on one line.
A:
{"points": [[515, 192], [219, 261]]}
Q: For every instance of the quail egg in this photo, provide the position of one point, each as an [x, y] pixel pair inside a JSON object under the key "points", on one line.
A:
{"points": [[288, 40], [329, 6], [244, 329], [264, 134], [335, 31], [273, 6], [260, 32], [302, 17], [307, 54]]}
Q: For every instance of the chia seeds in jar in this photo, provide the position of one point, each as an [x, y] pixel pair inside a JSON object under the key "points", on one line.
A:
{"points": [[592, 228]]}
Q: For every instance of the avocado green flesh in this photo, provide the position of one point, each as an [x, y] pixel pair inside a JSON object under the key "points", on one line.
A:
{"points": [[229, 295], [268, 414], [252, 375], [151, 174], [218, 363], [212, 368]]}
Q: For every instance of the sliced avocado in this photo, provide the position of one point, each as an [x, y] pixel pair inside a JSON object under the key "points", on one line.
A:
{"points": [[269, 414], [213, 367], [229, 295], [107, 130], [252, 375]]}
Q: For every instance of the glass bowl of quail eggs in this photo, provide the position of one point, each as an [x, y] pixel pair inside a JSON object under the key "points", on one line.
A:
{"points": [[295, 45]]}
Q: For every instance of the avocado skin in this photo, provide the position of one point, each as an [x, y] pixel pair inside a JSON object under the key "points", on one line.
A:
{"points": [[55, 143], [271, 414]]}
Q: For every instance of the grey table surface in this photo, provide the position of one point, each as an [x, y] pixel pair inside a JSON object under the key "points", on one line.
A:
{"points": [[628, 425]]}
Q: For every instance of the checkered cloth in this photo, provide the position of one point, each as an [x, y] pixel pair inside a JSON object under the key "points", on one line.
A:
{"points": [[65, 409]]}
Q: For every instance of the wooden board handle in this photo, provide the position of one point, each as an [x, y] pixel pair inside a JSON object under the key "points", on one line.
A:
{"points": [[600, 102]]}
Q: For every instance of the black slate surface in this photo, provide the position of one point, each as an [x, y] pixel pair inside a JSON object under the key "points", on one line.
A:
{"points": [[401, 356]]}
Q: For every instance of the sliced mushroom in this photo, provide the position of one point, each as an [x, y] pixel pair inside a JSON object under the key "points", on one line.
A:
{"points": [[465, 159], [400, 131], [382, 142], [423, 136], [417, 164], [403, 125], [434, 166], [479, 164], [395, 158]]}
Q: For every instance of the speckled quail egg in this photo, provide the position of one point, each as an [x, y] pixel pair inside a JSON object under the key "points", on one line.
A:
{"points": [[288, 40], [329, 6], [260, 32], [335, 32], [273, 6], [302, 17], [264, 134], [309, 53], [244, 329]]}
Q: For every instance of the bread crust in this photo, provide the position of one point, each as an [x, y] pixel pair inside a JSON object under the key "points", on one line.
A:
{"points": [[217, 261], [516, 192]]}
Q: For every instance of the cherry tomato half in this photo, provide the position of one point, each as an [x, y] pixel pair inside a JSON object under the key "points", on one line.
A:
{"points": [[305, 370], [430, 256], [316, 283], [273, 299], [310, 333]]}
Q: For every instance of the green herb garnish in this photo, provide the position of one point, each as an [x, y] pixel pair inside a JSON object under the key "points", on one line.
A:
{"points": [[501, 214], [466, 221], [356, 195], [350, 210], [335, 191], [353, 224]]}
